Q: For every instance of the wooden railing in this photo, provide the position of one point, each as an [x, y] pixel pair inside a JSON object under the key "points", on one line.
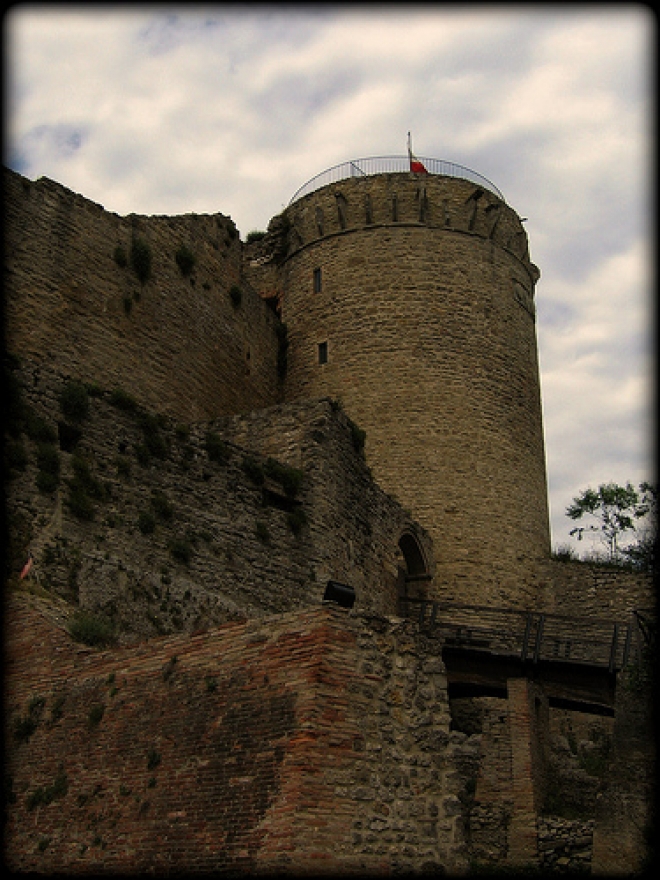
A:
{"points": [[531, 636]]}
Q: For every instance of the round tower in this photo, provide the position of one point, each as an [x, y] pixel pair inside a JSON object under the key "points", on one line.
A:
{"points": [[410, 298]]}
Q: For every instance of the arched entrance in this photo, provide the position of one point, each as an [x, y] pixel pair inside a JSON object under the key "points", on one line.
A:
{"points": [[414, 576]]}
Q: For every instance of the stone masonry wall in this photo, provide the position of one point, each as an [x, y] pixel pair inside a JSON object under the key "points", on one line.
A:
{"points": [[308, 742], [168, 532], [597, 591], [426, 316], [178, 343]]}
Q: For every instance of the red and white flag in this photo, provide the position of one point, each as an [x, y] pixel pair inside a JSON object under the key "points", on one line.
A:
{"points": [[415, 165]]}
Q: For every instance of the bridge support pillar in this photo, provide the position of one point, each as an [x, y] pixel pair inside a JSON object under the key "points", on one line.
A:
{"points": [[528, 731]]}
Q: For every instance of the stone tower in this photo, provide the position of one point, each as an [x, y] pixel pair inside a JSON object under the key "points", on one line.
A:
{"points": [[410, 297]]}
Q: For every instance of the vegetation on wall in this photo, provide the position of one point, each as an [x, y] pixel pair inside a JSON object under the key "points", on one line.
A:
{"points": [[48, 462], [120, 257], [91, 629], [74, 401], [185, 260], [141, 259], [216, 448]]}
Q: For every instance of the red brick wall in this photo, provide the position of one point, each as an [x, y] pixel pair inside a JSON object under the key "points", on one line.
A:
{"points": [[305, 741]]}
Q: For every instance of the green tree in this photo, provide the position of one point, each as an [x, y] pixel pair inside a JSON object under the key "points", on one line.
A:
{"points": [[642, 553], [616, 509]]}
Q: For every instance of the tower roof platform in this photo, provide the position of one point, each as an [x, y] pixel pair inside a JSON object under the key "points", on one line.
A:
{"points": [[391, 165]]}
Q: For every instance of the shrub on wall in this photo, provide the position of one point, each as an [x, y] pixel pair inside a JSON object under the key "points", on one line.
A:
{"points": [[84, 488], [48, 462], [147, 522], [216, 448], [262, 532], [288, 477], [154, 441], [90, 629], [74, 401], [161, 506], [185, 260], [181, 549], [253, 469], [120, 257], [296, 520], [95, 715], [43, 796], [122, 400], [141, 259]]}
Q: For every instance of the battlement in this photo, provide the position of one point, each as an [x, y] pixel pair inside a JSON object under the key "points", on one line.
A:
{"points": [[399, 199]]}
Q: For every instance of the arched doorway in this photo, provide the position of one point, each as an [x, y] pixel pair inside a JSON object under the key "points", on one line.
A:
{"points": [[414, 576]]}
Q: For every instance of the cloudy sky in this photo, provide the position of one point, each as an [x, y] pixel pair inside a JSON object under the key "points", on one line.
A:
{"points": [[216, 108]]}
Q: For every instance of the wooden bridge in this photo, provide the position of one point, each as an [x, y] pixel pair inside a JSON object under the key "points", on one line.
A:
{"points": [[574, 659]]}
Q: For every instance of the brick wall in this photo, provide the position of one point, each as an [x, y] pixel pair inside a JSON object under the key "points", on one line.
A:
{"points": [[300, 742]]}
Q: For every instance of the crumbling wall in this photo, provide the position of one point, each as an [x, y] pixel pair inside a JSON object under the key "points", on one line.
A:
{"points": [[162, 525], [191, 342]]}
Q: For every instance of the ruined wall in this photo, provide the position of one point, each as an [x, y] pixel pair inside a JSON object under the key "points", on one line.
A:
{"points": [[177, 342], [421, 293], [302, 742], [162, 525]]}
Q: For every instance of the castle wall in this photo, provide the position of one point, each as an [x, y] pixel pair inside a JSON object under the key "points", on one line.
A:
{"points": [[225, 540], [425, 308], [589, 590], [177, 343], [311, 742]]}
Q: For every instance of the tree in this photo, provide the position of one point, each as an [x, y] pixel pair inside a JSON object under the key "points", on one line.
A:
{"points": [[642, 554], [617, 509]]}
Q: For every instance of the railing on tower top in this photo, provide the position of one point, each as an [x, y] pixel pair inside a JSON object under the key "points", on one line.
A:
{"points": [[389, 164]]}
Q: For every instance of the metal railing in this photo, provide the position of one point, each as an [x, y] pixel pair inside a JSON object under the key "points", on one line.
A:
{"points": [[530, 635], [390, 164]]}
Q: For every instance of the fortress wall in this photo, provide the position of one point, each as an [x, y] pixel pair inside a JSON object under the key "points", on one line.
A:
{"points": [[243, 557], [586, 590], [429, 326], [176, 343], [294, 742]]}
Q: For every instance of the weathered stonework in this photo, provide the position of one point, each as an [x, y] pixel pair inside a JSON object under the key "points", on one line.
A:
{"points": [[428, 317], [176, 342], [214, 485], [301, 742], [226, 542]]}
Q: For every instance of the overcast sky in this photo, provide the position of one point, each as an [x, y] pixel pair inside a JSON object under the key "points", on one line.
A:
{"points": [[172, 109]]}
